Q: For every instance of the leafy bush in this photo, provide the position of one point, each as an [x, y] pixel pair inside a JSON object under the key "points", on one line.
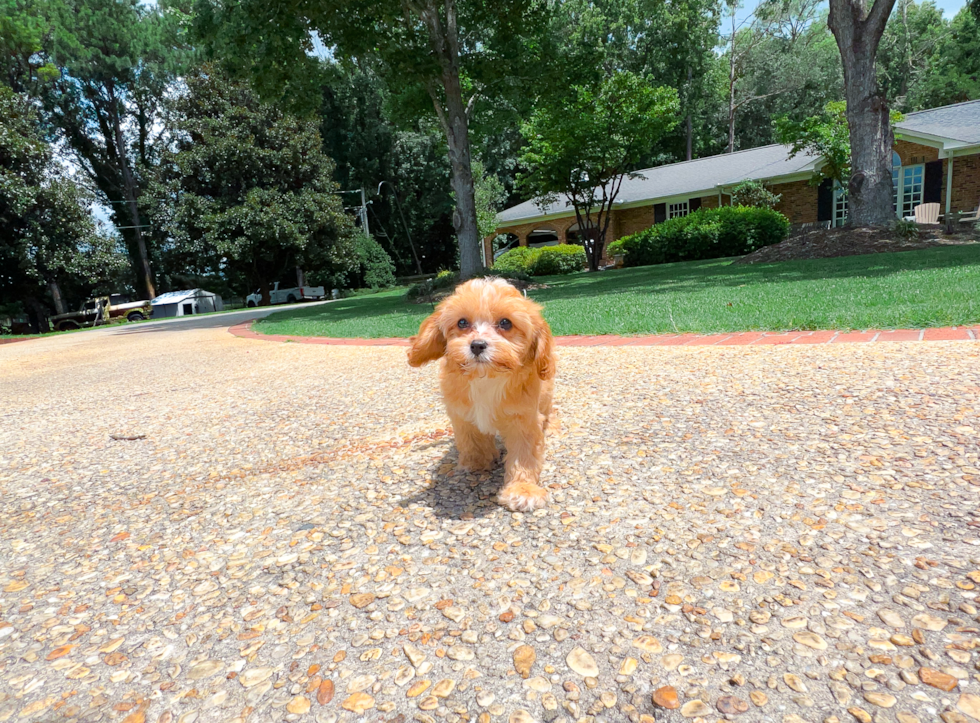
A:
{"points": [[554, 260], [754, 194], [544, 261], [706, 234], [906, 230], [517, 259], [376, 266], [615, 248]]}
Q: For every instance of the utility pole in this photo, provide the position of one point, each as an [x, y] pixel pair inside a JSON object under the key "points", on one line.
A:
{"points": [[364, 218]]}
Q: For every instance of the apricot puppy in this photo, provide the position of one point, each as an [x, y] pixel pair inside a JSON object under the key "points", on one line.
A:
{"points": [[497, 376]]}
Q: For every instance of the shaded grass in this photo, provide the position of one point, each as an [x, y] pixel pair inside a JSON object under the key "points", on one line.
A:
{"points": [[913, 289]]}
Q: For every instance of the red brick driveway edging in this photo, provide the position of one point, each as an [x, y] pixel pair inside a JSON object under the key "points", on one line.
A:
{"points": [[744, 338]]}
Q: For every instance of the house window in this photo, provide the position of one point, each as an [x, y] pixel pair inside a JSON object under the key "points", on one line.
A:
{"points": [[840, 205], [675, 210], [907, 182], [912, 177]]}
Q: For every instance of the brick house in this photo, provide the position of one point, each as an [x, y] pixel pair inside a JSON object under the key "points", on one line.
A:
{"points": [[936, 159]]}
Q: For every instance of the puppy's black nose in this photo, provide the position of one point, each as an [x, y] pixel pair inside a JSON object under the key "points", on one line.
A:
{"points": [[478, 347]]}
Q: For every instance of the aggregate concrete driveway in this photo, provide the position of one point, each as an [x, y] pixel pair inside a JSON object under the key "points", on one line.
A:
{"points": [[196, 527]]}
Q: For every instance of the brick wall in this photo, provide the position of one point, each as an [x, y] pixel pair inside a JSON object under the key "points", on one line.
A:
{"points": [[709, 202], [966, 183], [798, 202], [913, 153], [632, 220]]}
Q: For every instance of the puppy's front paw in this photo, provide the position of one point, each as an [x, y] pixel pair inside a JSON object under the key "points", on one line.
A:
{"points": [[523, 497]]}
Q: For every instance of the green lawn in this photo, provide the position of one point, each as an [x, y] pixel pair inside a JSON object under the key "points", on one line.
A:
{"points": [[934, 287]]}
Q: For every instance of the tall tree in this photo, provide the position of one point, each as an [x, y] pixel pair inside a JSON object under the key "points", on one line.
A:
{"points": [[397, 157], [780, 60], [100, 69], [456, 50], [951, 74], [914, 34], [582, 150], [51, 254], [672, 44], [247, 192], [858, 30]]}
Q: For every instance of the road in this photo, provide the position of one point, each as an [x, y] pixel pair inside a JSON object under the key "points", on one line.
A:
{"points": [[199, 527]]}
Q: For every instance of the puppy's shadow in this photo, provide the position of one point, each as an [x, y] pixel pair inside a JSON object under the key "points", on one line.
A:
{"points": [[455, 494]]}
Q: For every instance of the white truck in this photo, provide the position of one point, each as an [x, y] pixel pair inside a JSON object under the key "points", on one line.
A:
{"points": [[292, 295]]}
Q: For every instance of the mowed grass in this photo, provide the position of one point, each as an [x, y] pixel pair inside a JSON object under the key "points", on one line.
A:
{"points": [[914, 289]]}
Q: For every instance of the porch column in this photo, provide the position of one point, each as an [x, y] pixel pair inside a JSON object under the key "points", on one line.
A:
{"points": [[563, 234], [522, 237], [949, 185]]}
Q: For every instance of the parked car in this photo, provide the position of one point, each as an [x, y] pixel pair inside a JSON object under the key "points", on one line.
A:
{"points": [[102, 309], [279, 295]]}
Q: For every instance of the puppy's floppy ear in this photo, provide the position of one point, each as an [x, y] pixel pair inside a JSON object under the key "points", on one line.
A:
{"points": [[544, 350], [429, 344]]}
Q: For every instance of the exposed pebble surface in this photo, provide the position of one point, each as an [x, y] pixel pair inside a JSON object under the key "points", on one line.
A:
{"points": [[278, 533]]}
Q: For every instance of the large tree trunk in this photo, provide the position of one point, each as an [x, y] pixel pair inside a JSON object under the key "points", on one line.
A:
{"points": [[444, 38], [464, 219], [59, 302], [858, 32], [144, 276], [37, 316]]}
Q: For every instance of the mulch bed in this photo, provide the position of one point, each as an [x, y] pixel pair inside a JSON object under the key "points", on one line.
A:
{"points": [[831, 243]]}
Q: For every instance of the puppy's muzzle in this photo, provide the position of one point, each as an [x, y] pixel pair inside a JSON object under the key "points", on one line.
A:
{"points": [[477, 347]]}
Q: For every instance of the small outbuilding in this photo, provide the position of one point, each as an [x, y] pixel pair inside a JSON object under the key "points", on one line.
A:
{"points": [[185, 303]]}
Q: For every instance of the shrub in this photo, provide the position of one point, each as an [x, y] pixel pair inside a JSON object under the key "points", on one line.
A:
{"points": [[554, 260], [543, 261], [706, 234], [615, 247], [376, 266], [754, 194], [906, 230], [517, 259]]}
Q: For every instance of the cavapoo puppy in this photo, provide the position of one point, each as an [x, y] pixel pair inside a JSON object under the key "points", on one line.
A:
{"points": [[497, 376]]}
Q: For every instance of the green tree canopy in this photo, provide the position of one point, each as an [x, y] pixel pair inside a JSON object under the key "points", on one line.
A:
{"points": [[247, 191], [49, 246], [951, 74], [583, 148], [456, 51], [100, 70]]}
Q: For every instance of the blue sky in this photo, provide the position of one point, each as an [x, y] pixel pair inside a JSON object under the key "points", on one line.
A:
{"points": [[949, 7]]}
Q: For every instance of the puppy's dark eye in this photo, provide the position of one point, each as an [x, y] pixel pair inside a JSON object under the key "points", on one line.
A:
{"points": [[463, 323], [504, 325]]}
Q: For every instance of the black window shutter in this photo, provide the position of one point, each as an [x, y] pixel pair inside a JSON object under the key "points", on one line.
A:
{"points": [[932, 191], [825, 200], [694, 204], [659, 212]]}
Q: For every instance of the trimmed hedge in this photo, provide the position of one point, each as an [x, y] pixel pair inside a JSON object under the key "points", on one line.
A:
{"points": [[708, 233], [543, 261]]}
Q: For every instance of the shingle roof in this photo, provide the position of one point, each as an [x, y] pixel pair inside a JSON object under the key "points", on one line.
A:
{"points": [[687, 177], [960, 122]]}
